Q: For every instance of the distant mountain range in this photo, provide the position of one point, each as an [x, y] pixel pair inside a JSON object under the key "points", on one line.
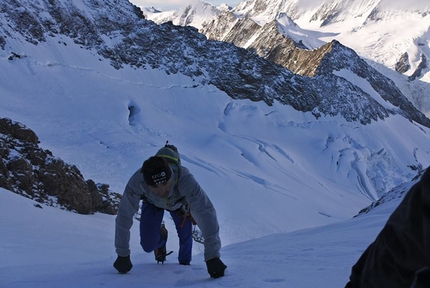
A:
{"points": [[392, 38]]}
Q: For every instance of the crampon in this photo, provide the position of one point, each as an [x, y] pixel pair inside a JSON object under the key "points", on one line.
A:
{"points": [[161, 253]]}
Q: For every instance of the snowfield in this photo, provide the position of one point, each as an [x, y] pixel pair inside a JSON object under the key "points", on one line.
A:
{"points": [[49, 247]]}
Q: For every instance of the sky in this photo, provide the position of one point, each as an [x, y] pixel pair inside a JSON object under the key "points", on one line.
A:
{"points": [[166, 5], [285, 185]]}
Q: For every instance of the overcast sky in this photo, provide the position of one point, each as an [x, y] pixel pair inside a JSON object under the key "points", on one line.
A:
{"points": [[165, 5]]}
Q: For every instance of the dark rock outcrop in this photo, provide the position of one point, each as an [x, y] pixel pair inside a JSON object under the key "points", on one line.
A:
{"points": [[28, 170], [418, 71], [402, 65]]}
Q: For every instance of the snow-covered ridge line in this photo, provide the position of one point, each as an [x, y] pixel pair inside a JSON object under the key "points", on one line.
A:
{"points": [[384, 33]]}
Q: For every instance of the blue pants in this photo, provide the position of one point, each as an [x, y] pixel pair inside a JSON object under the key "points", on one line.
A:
{"points": [[150, 237]]}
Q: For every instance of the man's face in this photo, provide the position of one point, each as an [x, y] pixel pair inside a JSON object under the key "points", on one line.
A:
{"points": [[162, 189]]}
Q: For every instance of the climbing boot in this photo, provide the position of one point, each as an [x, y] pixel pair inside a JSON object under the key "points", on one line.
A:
{"points": [[161, 253]]}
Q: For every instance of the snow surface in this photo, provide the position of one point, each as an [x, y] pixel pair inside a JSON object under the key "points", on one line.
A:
{"points": [[270, 171], [50, 247]]}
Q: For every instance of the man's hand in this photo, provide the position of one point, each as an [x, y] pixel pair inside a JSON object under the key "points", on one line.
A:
{"points": [[215, 267], [123, 264]]}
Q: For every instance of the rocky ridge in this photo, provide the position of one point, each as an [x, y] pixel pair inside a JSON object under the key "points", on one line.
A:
{"points": [[270, 44], [241, 73], [249, 25], [35, 173]]}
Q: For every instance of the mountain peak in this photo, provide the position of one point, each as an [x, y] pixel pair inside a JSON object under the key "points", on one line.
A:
{"points": [[327, 10]]}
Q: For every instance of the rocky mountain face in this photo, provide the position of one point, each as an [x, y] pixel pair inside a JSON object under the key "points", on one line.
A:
{"points": [[35, 173], [243, 26], [217, 27], [187, 15], [336, 11], [36, 20], [268, 42], [241, 73]]}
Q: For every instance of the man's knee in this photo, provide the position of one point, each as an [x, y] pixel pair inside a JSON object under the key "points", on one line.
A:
{"points": [[148, 245]]}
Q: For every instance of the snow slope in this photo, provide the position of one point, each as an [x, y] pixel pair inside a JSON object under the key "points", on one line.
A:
{"points": [[48, 247]]}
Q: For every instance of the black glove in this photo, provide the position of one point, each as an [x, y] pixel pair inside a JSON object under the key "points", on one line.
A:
{"points": [[215, 267], [123, 264]]}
